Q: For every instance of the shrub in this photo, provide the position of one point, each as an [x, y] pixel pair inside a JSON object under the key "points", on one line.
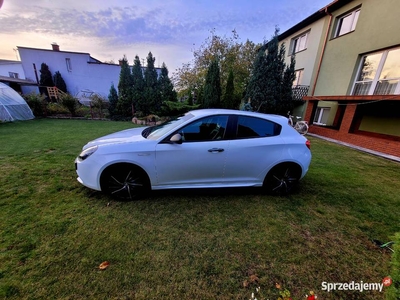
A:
{"points": [[70, 102], [83, 111], [36, 102], [56, 109]]}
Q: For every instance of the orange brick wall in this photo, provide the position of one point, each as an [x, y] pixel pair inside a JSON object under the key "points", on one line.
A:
{"points": [[387, 146]]}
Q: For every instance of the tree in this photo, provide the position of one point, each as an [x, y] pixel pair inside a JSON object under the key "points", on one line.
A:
{"points": [[125, 91], [46, 79], [229, 96], [231, 54], [138, 85], [151, 96], [270, 85], [212, 87], [113, 100], [166, 88], [59, 82]]}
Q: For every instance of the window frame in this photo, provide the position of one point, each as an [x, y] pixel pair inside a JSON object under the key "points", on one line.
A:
{"points": [[378, 72], [277, 129], [295, 45], [299, 73], [354, 14], [320, 113]]}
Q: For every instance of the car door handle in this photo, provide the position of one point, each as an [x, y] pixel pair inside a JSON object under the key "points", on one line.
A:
{"points": [[216, 150]]}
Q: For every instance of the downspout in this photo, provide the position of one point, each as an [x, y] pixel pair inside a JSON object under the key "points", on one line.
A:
{"points": [[323, 50]]}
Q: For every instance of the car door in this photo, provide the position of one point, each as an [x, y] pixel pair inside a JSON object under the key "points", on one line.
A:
{"points": [[256, 146], [199, 160]]}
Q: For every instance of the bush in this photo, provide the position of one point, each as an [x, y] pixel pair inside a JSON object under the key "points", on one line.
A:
{"points": [[83, 111], [70, 102], [56, 109], [36, 102], [393, 291]]}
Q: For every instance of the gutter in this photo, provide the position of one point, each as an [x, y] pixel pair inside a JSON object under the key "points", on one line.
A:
{"points": [[323, 49]]}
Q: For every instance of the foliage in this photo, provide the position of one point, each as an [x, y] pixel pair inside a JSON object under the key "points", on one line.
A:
{"points": [[212, 87], [56, 109], [394, 289], [46, 79], [98, 104], [113, 101], [166, 88], [125, 92], [59, 82], [138, 85], [270, 85], [70, 102], [151, 99], [175, 108], [37, 103], [230, 100], [231, 54]]}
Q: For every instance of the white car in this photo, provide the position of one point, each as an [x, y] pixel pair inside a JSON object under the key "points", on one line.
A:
{"points": [[207, 148]]}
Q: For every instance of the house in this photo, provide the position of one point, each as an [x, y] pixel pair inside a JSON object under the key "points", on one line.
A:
{"points": [[81, 72], [348, 53], [12, 74]]}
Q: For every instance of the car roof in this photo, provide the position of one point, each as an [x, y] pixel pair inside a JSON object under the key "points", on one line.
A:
{"points": [[222, 111]]}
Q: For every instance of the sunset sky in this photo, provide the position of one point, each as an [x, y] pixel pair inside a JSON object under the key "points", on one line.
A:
{"points": [[170, 29]]}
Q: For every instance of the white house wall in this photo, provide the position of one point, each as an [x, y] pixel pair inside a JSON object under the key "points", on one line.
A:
{"points": [[84, 73]]}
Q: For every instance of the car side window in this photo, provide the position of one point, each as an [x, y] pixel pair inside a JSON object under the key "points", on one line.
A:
{"points": [[206, 129], [251, 127]]}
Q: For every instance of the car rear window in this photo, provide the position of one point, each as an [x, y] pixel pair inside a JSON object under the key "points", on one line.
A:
{"points": [[251, 127]]}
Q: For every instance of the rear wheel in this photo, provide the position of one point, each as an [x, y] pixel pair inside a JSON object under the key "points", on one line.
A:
{"points": [[281, 179], [301, 127], [124, 181]]}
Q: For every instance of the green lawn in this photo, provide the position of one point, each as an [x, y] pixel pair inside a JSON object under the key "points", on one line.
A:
{"points": [[186, 244]]}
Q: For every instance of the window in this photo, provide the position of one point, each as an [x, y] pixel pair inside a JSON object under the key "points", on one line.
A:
{"points": [[347, 23], [299, 43], [379, 74], [13, 75], [249, 127], [206, 129], [299, 77], [68, 63], [321, 115]]}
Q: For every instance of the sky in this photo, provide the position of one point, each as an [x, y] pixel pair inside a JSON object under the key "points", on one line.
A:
{"points": [[170, 29]]}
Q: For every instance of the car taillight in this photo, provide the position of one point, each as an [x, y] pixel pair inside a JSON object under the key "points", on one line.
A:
{"points": [[308, 144]]}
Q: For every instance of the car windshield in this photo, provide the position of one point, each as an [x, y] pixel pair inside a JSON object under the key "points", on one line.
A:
{"points": [[155, 132]]}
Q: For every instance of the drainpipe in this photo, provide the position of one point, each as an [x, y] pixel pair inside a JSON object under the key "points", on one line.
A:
{"points": [[323, 49]]}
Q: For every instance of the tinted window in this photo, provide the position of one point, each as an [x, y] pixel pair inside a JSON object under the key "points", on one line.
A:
{"points": [[206, 129], [249, 127]]}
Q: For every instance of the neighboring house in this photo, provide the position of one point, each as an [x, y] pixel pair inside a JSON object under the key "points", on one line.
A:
{"points": [[354, 94], [80, 71], [12, 74]]}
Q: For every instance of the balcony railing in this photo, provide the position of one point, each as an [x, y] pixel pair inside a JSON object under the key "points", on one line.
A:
{"points": [[300, 91]]}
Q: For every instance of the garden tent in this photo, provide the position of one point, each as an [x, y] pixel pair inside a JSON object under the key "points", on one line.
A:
{"points": [[12, 106]]}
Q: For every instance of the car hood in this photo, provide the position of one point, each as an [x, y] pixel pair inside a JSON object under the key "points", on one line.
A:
{"points": [[124, 136]]}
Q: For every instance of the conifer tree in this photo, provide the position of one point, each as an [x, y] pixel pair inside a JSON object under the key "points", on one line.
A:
{"points": [[138, 85], [212, 87], [59, 82], [46, 79], [125, 89], [152, 102], [166, 88], [229, 97], [113, 100]]}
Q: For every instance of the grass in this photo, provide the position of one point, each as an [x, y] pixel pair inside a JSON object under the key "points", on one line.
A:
{"points": [[200, 244]]}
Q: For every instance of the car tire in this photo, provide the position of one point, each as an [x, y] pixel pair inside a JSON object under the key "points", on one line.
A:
{"points": [[281, 179], [124, 182]]}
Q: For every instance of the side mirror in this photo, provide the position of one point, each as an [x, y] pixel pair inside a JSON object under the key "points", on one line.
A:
{"points": [[176, 139]]}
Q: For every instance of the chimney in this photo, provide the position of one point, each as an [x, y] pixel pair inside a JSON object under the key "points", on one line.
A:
{"points": [[55, 47]]}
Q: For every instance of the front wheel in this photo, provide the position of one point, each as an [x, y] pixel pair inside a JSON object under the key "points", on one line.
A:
{"points": [[282, 178], [125, 182]]}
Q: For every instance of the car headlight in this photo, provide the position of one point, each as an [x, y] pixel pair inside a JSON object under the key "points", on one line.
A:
{"points": [[87, 152]]}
